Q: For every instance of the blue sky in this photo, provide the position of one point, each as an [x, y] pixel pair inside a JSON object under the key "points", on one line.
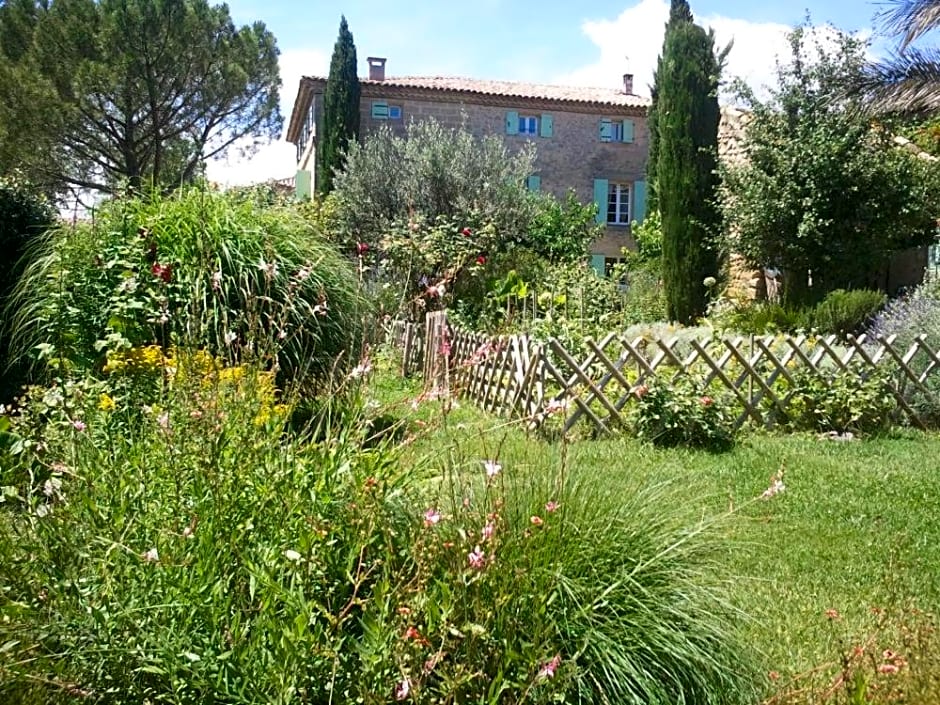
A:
{"points": [[551, 41]]}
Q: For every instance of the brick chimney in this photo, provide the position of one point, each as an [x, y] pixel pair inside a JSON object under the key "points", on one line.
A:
{"points": [[376, 68], [628, 83]]}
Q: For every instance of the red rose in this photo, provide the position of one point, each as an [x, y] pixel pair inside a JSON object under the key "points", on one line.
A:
{"points": [[466, 232], [362, 248], [481, 260], [163, 271]]}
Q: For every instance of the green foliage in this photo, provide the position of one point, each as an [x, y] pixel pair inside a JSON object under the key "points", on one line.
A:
{"points": [[759, 318], [648, 236], [821, 189], [681, 413], [561, 231], [340, 109], [686, 125], [853, 399], [214, 270], [24, 215], [847, 312], [139, 93], [433, 171]]}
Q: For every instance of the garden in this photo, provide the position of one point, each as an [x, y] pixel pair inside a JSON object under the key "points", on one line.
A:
{"points": [[401, 444]]}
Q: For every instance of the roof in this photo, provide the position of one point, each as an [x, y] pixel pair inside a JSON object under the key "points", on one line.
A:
{"points": [[458, 89]]}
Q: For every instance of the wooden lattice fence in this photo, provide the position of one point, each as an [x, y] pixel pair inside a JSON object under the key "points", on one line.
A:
{"points": [[520, 377]]}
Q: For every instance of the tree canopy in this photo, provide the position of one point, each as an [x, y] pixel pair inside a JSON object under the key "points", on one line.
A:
{"points": [[102, 94], [340, 109], [823, 193]]}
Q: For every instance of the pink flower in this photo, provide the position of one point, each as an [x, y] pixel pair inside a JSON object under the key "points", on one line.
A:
{"points": [[362, 248], [641, 391], [536, 520], [706, 401], [476, 558], [552, 506], [548, 669], [888, 668], [556, 406], [492, 468], [79, 425], [431, 517], [403, 689], [488, 530], [413, 226], [832, 614]]}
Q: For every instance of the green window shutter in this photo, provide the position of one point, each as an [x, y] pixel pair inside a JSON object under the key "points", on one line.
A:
{"points": [[380, 110], [547, 125], [534, 183], [597, 264], [600, 198], [639, 201], [628, 131], [302, 185], [512, 123], [607, 130]]}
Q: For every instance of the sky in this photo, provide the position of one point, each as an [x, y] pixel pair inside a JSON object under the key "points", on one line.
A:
{"points": [[552, 41]]}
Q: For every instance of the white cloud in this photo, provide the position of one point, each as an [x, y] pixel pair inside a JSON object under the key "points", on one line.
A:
{"points": [[631, 43], [275, 159]]}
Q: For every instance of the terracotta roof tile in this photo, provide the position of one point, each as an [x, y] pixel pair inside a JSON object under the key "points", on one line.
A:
{"points": [[514, 89]]}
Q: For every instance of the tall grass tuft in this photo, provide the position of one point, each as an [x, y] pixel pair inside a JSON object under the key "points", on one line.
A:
{"points": [[221, 272]]}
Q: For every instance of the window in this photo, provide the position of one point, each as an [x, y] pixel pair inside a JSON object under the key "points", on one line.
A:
{"points": [[383, 111], [618, 203], [528, 125], [616, 130]]}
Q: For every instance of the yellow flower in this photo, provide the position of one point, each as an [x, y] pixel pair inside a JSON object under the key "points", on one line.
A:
{"points": [[106, 403]]}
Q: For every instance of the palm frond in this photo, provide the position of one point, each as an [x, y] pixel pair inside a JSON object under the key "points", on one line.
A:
{"points": [[906, 83], [910, 19]]}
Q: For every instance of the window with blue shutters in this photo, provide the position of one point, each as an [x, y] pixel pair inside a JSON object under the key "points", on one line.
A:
{"points": [[379, 110], [534, 183], [616, 131]]}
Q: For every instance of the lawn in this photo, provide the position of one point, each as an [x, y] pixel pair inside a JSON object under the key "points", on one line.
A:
{"points": [[839, 567]]}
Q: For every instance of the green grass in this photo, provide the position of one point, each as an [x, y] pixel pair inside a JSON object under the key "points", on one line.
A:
{"points": [[855, 531]]}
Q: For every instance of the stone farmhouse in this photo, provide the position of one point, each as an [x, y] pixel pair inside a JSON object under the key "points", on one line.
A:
{"points": [[592, 140]]}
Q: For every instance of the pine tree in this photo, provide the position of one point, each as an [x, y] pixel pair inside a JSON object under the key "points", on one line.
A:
{"points": [[340, 109], [686, 162]]}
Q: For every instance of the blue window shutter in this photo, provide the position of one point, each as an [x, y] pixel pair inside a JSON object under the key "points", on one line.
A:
{"points": [[512, 123], [379, 110], [547, 127], [639, 201], [597, 264], [628, 131], [606, 130], [600, 198], [302, 185], [534, 183]]}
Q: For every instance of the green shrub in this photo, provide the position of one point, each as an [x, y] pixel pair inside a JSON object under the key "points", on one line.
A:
{"points": [[24, 216], [760, 318], [855, 399], [215, 271], [847, 312], [680, 413]]}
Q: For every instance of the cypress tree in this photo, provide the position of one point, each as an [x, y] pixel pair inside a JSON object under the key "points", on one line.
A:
{"points": [[686, 162], [679, 11], [340, 109]]}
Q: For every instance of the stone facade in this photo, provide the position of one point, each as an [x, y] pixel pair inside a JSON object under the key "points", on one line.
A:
{"points": [[570, 153]]}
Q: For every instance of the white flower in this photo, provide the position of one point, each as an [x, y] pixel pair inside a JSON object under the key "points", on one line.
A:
{"points": [[269, 268], [151, 556], [492, 468], [217, 280], [230, 338], [163, 420], [776, 487], [292, 555], [361, 370]]}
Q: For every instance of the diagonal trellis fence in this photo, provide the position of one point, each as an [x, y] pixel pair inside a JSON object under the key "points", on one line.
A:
{"points": [[520, 377]]}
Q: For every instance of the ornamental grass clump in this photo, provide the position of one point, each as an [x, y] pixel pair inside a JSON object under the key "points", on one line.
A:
{"points": [[222, 273]]}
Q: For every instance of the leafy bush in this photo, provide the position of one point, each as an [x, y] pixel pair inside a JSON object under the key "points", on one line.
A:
{"points": [[847, 312], [759, 318], [216, 271], [855, 399], [681, 413], [24, 216]]}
